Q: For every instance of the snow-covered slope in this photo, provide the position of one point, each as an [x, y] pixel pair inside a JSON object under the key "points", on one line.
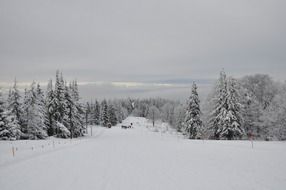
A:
{"points": [[139, 158]]}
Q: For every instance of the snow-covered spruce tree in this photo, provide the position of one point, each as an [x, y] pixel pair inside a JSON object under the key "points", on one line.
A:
{"points": [[111, 115], [232, 125], [34, 120], [104, 114], [9, 126], [4, 132], [120, 115], [24, 116], [219, 106], [78, 110], [59, 98], [50, 105], [96, 113], [192, 122], [14, 103], [41, 102], [69, 121]]}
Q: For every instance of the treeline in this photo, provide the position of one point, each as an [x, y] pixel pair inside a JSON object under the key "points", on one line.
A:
{"points": [[55, 112], [106, 113], [251, 107]]}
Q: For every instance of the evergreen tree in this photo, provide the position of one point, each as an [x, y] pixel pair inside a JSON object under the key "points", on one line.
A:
{"points": [[14, 103], [69, 120], [4, 132], [41, 103], [96, 113], [9, 126], [78, 110], [104, 114], [24, 117], [193, 123], [35, 126], [219, 103], [232, 125], [111, 115], [59, 97], [50, 103], [119, 111]]}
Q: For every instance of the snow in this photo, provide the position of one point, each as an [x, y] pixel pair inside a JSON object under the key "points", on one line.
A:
{"points": [[140, 158]]}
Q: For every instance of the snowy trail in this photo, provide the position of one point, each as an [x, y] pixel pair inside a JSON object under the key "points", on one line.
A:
{"points": [[139, 159]]}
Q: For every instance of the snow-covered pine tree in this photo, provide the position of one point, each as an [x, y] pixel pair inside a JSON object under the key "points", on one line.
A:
{"points": [[192, 122], [104, 114], [111, 115], [69, 120], [4, 132], [9, 126], [119, 111], [59, 97], [75, 90], [41, 103], [24, 116], [50, 103], [14, 103], [96, 113], [35, 126], [219, 103], [232, 125], [78, 111]]}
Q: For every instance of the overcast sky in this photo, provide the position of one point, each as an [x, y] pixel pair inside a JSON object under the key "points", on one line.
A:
{"points": [[142, 48]]}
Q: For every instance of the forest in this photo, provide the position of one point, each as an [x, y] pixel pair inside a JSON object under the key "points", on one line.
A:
{"points": [[249, 107]]}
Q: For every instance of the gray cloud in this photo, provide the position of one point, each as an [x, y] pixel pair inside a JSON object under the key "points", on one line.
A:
{"points": [[141, 41]]}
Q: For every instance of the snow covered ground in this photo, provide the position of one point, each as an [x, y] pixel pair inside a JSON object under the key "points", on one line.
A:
{"points": [[140, 158]]}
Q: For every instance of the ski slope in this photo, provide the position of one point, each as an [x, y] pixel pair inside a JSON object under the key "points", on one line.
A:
{"points": [[138, 158]]}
